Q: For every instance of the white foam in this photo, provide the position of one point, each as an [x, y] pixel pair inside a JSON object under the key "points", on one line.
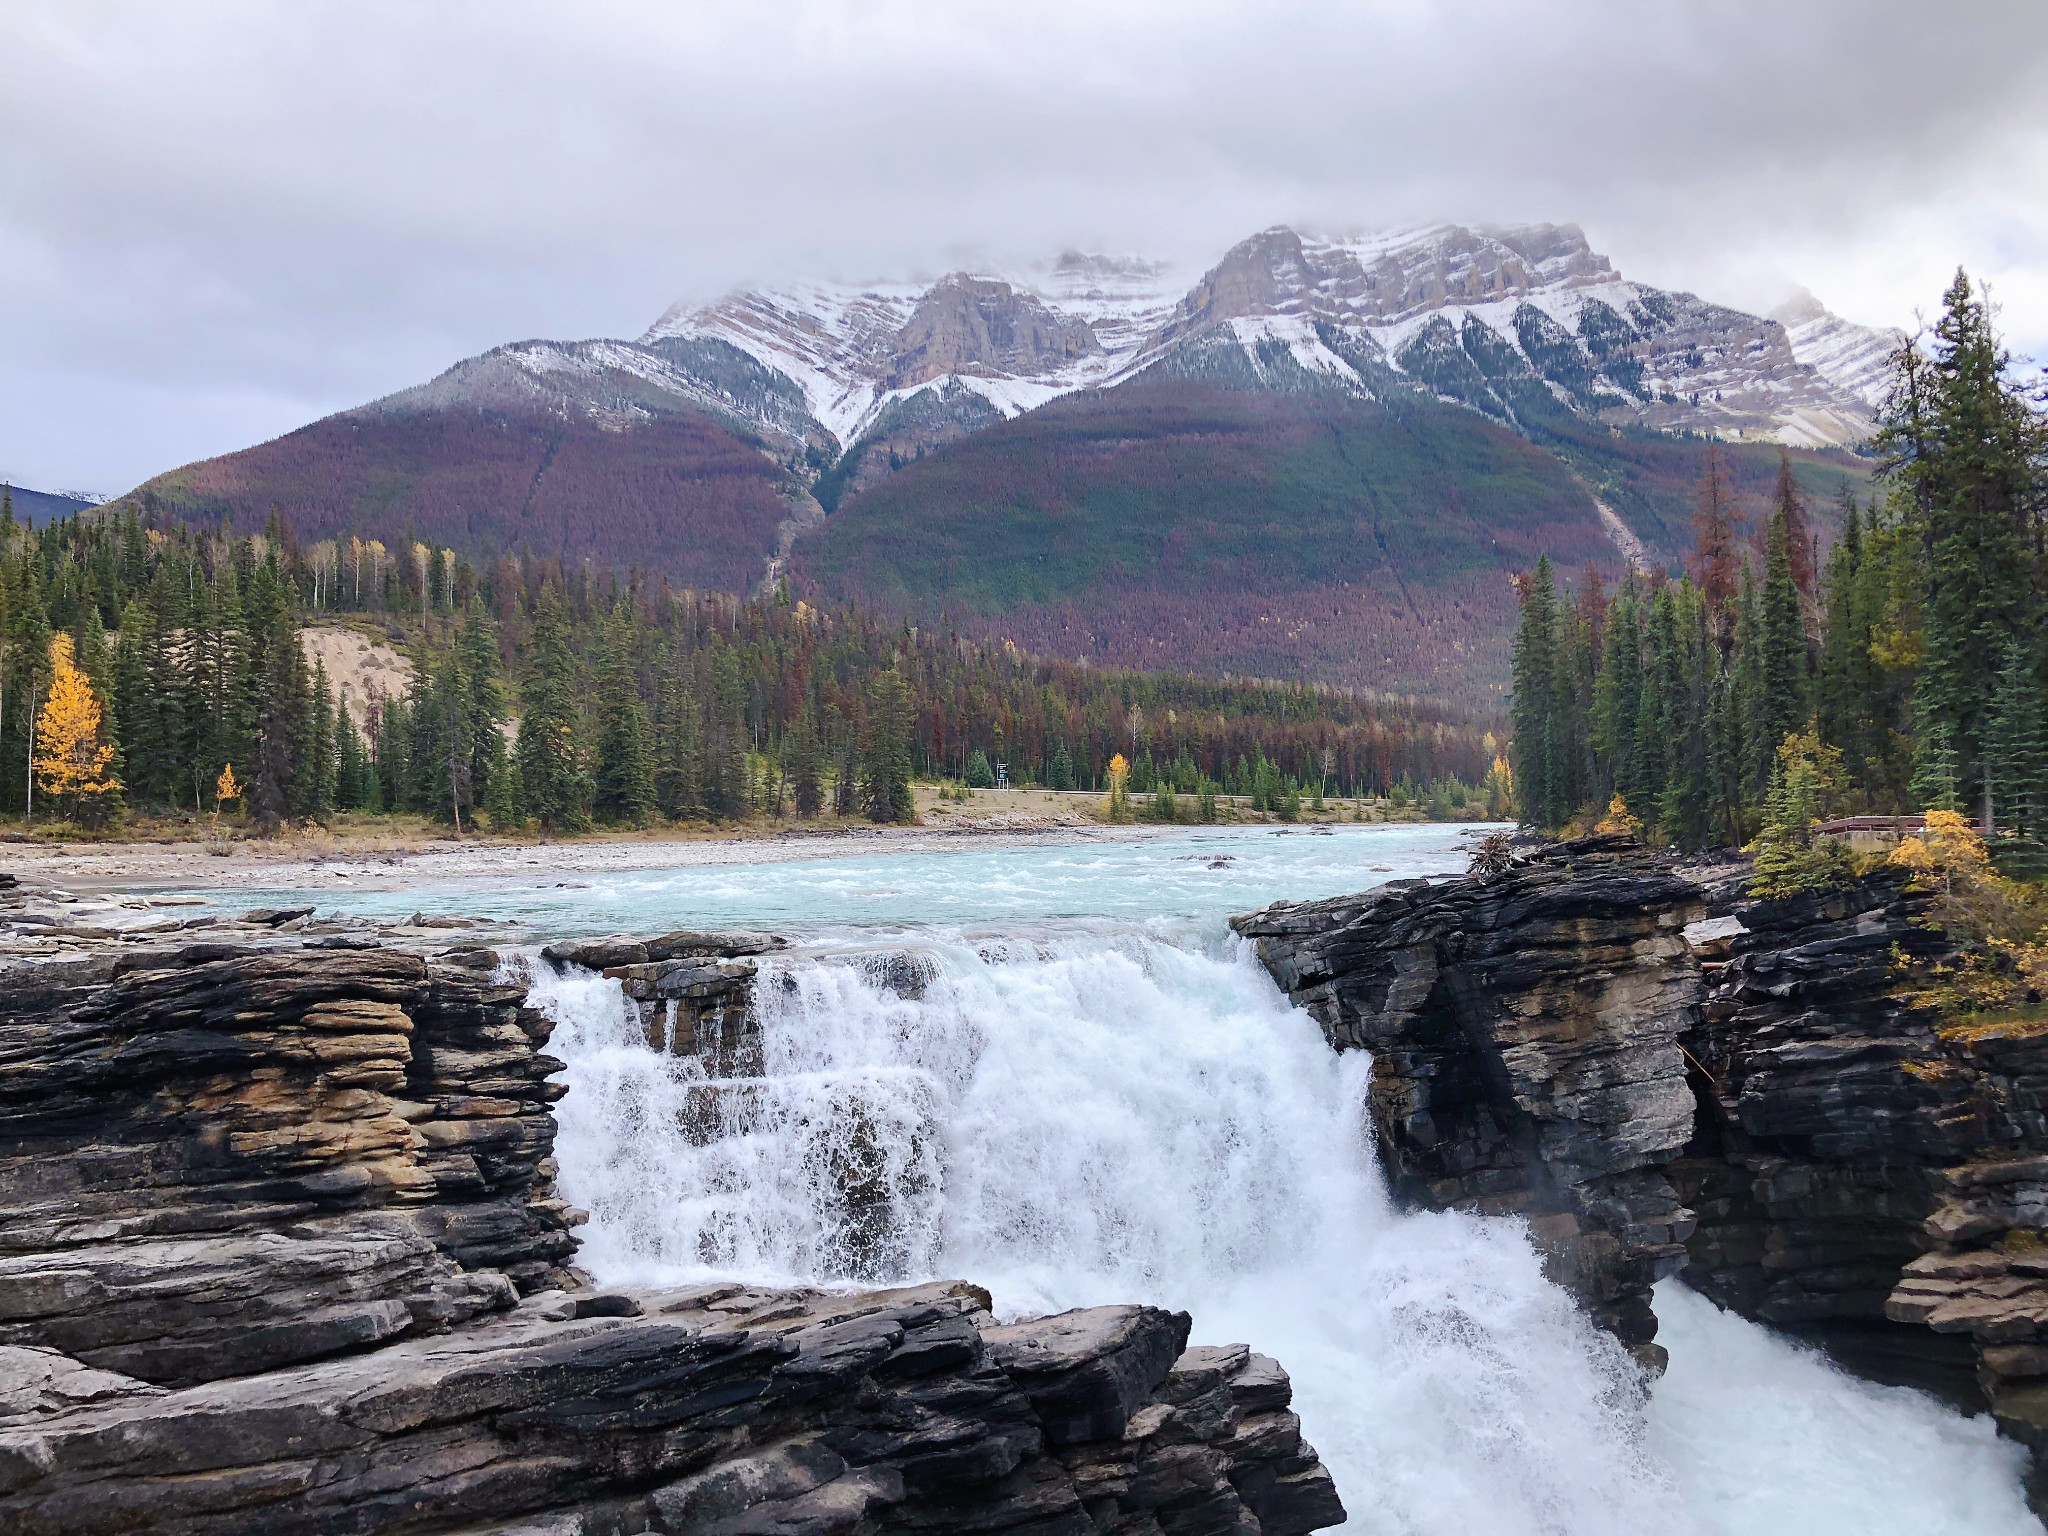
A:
{"points": [[1096, 1117]]}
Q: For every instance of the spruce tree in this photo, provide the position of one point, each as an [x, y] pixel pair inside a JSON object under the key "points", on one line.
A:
{"points": [[1840, 695], [1781, 708], [806, 766], [2016, 768], [678, 765], [1059, 773], [1533, 707], [554, 787], [885, 768], [491, 786], [625, 745], [1617, 695], [1964, 446]]}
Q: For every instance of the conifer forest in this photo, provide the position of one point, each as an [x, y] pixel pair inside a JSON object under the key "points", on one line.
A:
{"points": [[1787, 678], [160, 668]]}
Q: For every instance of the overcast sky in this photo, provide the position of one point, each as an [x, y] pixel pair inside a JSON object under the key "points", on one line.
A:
{"points": [[221, 220]]}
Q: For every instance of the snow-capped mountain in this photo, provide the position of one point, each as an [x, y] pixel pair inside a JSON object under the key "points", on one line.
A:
{"points": [[1528, 325], [1850, 356]]}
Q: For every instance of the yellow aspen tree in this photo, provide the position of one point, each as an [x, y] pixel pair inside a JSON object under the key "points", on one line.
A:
{"points": [[225, 788], [71, 758], [1119, 796]]}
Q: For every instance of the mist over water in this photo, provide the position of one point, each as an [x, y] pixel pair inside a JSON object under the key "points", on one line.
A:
{"points": [[1101, 1097]]}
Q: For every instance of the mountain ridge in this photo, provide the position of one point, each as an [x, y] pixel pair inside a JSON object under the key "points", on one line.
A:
{"points": [[725, 447]]}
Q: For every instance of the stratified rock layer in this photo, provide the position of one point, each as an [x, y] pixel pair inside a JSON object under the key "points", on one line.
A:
{"points": [[279, 1251], [1774, 1095], [1525, 1039], [1866, 1173]]}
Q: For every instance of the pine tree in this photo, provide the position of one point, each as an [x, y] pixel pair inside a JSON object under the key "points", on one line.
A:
{"points": [[1781, 707], [1059, 773], [979, 774], [554, 787], [1963, 445], [885, 775], [2016, 768], [1534, 705], [625, 745], [806, 767]]}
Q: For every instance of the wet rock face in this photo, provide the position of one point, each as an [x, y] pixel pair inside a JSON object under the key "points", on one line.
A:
{"points": [[1867, 1174], [1769, 1108], [279, 1250], [1526, 1049], [222, 1159]]}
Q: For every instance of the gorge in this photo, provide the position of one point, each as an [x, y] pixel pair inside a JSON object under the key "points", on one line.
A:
{"points": [[1054, 1074]]}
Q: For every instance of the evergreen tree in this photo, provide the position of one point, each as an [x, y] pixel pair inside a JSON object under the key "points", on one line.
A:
{"points": [[678, 763], [1059, 772], [554, 787], [355, 783], [1962, 444], [806, 767], [1781, 707], [492, 787], [277, 673], [1535, 751], [2016, 768], [885, 776], [625, 744]]}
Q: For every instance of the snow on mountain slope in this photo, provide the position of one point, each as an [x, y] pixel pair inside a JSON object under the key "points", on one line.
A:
{"points": [[857, 349], [1852, 356], [1514, 322], [1526, 325], [1546, 306], [620, 384]]}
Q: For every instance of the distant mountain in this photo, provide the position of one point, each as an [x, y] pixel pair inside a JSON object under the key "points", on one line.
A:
{"points": [[1492, 319], [1493, 392], [1852, 356], [40, 507]]}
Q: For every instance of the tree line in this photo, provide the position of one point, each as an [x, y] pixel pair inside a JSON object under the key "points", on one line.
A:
{"points": [[561, 697], [1773, 682]]}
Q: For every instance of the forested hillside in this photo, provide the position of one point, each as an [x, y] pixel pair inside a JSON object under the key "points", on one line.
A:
{"points": [[676, 494], [1766, 690], [161, 669], [1311, 537]]}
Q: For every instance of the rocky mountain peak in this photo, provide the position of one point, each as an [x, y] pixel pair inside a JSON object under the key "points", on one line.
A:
{"points": [[981, 325]]}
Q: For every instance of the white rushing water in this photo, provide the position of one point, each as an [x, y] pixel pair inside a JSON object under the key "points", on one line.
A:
{"points": [[1101, 1097]]}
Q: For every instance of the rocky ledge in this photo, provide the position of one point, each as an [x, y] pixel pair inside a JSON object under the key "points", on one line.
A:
{"points": [[1666, 1078], [280, 1250]]}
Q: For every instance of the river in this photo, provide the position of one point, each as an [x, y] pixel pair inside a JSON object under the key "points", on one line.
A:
{"points": [[1101, 1097]]}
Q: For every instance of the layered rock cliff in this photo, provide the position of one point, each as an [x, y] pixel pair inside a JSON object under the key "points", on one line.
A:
{"points": [[1526, 1057], [1763, 1103], [279, 1250]]}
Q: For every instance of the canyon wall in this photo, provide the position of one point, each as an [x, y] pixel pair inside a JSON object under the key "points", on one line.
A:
{"points": [[1667, 1078], [280, 1250]]}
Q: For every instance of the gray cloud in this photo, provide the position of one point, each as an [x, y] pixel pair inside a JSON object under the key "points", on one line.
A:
{"points": [[220, 220]]}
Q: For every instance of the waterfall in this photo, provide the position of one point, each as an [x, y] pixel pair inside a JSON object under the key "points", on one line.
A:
{"points": [[1071, 1117]]}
